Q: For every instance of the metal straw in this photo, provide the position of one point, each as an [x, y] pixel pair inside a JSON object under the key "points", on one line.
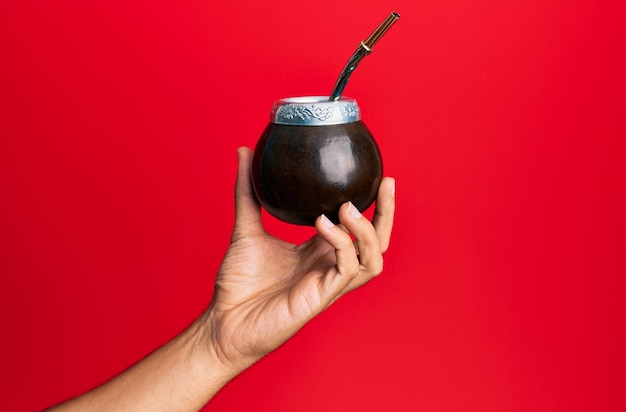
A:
{"points": [[365, 48]]}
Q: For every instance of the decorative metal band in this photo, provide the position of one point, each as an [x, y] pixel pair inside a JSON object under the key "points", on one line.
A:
{"points": [[315, 111]]}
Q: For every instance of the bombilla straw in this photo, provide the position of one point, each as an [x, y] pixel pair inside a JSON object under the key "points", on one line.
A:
{"points": [[365, 48]]}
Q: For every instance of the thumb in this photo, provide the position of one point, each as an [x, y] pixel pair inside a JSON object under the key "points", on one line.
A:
{"points": [[247, 207]]}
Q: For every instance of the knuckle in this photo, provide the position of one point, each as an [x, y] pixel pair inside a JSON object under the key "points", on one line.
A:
{"points": [[384, 246], [346, 243], [355, 267], [352, 270], [377, 268]]}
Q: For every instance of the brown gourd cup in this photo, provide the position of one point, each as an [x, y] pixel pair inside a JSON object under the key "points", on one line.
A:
{"points": [[314, 156]]}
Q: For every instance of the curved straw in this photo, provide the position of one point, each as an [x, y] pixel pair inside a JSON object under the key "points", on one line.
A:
{"points": [[365, 48]]}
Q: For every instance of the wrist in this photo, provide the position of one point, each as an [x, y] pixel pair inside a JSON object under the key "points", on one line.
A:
{"points": [[207, 363], [220, 349]]}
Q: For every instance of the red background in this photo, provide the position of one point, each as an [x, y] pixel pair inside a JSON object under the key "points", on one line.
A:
{"points": [[503, 123]]}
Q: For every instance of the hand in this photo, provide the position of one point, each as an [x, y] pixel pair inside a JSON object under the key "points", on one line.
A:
{"points": [[267, 289]]}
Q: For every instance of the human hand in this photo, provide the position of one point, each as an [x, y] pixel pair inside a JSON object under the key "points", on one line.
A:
{"points": [[267, 289]]}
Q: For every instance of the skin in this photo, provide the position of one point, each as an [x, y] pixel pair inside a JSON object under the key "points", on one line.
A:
{"points": [[265, 291]]}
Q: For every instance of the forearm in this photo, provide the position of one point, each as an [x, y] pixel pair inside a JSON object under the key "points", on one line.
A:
{"points": [[183, 375]]}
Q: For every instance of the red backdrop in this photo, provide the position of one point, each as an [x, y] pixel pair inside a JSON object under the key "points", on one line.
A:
{"points": [[503, 123]]}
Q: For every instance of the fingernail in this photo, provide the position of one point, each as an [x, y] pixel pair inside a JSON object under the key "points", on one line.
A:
{"points": [[393, 188], [326, 221], [354, 212]]}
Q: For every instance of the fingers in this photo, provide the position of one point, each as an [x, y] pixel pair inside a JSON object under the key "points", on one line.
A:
{"points": [[359, 261], [247, 208], [385, 208], [366, 239], [347, 265]]}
